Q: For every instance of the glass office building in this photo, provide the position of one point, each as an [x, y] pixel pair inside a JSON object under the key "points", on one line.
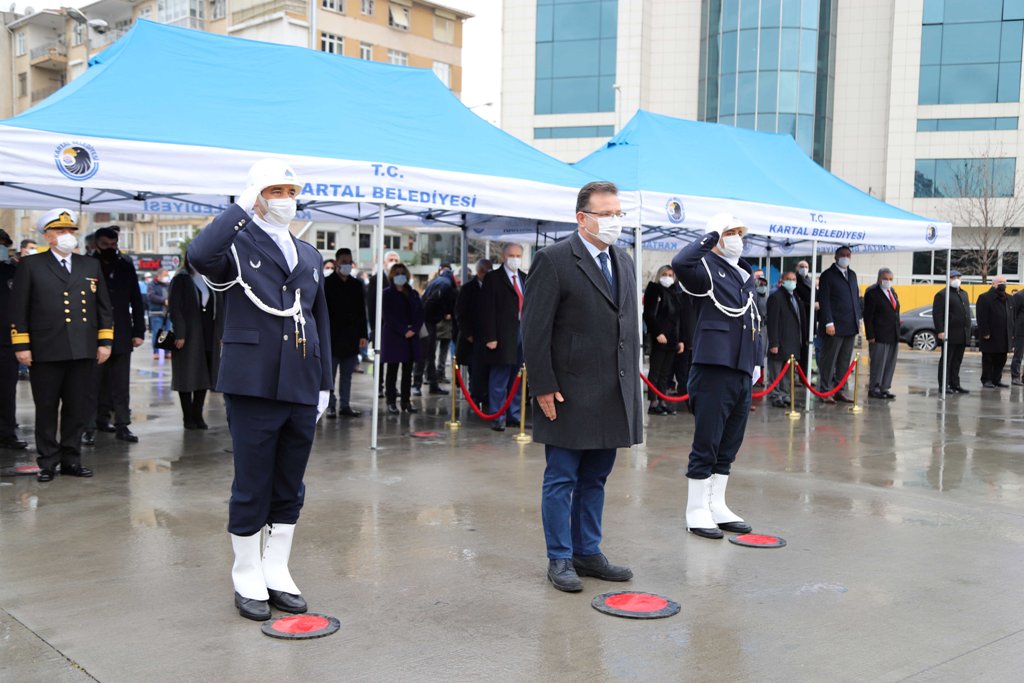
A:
{"points": [[576, 50], [768, 65]]}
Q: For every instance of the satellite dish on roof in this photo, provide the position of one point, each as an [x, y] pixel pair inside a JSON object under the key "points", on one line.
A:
{"points": [[29, 10]]}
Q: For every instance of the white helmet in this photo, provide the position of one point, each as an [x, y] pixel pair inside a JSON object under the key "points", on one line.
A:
{"points": [[721, 222], [267, 172]]}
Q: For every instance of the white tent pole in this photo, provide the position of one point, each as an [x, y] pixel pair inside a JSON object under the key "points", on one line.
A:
{"points": [[945, 332], [810, 341], [638, 254], [378, 366]]}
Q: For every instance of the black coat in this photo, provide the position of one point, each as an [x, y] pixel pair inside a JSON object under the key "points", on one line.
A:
{"points": [[439, 298], [346, 307], [467, 315], [584, 343], [995, 320], [881, 321], [1017, 304], [840, 301], [786, 327], [126, 301], [194, 366], [664, 314], [7, 270], [499, 317], [959, 315]]}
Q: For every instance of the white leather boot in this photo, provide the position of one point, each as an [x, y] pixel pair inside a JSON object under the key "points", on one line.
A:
{"points": [[724, 518], [698, 511], [284, 594], [247, 575]]}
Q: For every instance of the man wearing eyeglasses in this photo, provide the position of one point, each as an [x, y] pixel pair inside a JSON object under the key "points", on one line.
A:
{"points": [[582, 347]]}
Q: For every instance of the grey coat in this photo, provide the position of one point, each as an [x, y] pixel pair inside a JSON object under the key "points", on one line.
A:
{"points": [[580, 342]]}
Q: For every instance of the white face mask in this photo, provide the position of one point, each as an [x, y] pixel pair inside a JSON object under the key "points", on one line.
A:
{"points": [[608, 229], [886, 284], [955, 284], [790, 285], [67, 242], [666, 281], [843, 261], [328, 272], [732, 246], [281, 211], [513, 263], [345, 269], [400, 280], [802, 272]]}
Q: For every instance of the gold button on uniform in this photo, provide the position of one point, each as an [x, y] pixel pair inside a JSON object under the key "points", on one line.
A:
{"points": [[85, 320], [67, 320], [65, 293], [66, 302], [286, 337], [67, 310]]}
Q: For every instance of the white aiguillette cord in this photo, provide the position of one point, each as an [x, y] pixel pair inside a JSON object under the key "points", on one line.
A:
{"points": [[295, 312], [728, 310]]}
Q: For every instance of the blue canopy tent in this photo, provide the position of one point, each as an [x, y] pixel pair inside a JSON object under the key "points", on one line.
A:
{"points": [[169, 120]]}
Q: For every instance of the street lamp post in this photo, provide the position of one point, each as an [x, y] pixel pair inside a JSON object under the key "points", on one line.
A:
{"points": [[99, 25]]}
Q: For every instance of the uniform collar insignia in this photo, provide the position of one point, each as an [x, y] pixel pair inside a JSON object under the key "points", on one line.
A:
{"points": [[256, 265]]}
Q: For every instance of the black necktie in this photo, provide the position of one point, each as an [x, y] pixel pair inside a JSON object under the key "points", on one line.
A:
{"points": [[603, 258], [64, 263]]}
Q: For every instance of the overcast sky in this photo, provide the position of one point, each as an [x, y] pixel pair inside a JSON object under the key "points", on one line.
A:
{"points": [[481, 50]]}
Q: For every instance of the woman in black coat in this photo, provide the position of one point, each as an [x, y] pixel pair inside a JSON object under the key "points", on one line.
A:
{"points": [[663, 314], [195, 312]]}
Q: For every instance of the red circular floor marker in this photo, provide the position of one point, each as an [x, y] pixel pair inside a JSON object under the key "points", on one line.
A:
{"points": [[425, 435], [758, 541], [27, 469], [301, 626], [635, 605]]}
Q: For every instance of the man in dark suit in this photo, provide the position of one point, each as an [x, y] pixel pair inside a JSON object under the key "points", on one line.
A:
{"points": [[840, 322], [1017, 304], [8, 363], [959, 331], [467, 350], [502, 306], [113, 378], [346, 306], [275, 374], [804, 283], [995, 332], [882, 330], [725, 352], [785, 335], [61, 326], [583, 354], [438, 308], [375, 285]]}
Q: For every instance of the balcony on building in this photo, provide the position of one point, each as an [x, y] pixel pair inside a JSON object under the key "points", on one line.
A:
{"points": [[40, 94], [261, 10], [52, 56]]}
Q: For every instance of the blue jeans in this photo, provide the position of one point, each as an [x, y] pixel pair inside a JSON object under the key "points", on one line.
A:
{"points": [[344, 379], [573, 500], [499, 384]]}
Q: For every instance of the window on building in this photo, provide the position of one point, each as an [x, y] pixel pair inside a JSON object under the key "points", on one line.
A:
{"points": [[365, 51], [443, 71], [398, 16], [147, 12], [23, 84], [365, 240], [331, 43], [174, 235], [398, 57], [218, 9], [947, 125], [444, 27], [952, 178], [393, 242], [187, 13], [576, 51], [333, 5], [971, 51], [19, 43], [147, 242], [573, 132], [326, 240], [367, 8], [126, 239]]}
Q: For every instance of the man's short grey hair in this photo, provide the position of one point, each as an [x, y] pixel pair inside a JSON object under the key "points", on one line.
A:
{"points": [[484, 263], [884, 271], [504, 249]]}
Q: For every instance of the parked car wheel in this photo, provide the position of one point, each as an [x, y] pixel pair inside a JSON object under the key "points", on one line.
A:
{"points": [[925, 340]]}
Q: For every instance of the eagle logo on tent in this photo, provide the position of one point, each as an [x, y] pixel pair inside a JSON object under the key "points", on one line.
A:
{"points": [[76, 160], [931, 234], [675, 210]]}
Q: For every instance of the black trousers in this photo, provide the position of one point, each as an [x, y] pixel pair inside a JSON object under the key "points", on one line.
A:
{"points": [[271, 441], [64, 387], [390, 389], [112, 381], [660, 371], [8, 391], [720, 401], [479, 377], [1018, 356], [992, 365], [192, 406], [956, 358], [681, 364]]}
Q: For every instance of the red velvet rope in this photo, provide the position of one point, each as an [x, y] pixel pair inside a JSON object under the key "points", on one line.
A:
{"points": [[685, 397], [771, 388], [831, 392], [476, 409]]}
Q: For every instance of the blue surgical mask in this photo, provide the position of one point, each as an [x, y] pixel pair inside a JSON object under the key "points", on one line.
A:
{"points": [[761, 289], [400, 280], [5, 253], [790, 285]]}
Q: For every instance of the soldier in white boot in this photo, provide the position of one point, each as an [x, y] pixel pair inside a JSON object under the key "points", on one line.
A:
{"points": [[725, 349], [275, 373]]}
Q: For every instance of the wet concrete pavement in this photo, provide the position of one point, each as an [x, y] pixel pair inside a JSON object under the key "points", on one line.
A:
{"points": [[905, 527]]}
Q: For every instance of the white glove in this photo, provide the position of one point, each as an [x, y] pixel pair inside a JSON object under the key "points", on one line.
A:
{"points": [[757, 374], [321, 404], [247, 200]]}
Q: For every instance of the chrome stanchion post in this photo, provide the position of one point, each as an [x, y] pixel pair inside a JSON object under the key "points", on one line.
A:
{"points": [[522, 436], [792, 414], [453, 418], [855, 408]]}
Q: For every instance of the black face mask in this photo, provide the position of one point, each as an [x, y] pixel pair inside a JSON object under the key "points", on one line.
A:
{"points": [[1001, 288], [108, 254]]}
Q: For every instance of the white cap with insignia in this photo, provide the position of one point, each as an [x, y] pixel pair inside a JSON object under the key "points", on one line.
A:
{"points": [[57, 218], [722, 222], [268, 172]]}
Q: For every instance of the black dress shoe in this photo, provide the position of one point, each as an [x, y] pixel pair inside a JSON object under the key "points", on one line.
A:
{"points": [[563, 576], [888, 394], [75, 471], [393, 409], [287, 602], [332, 413], [89, 438], [669, 408], [599, 567], [409, 408], [45, 475], [438, 391], [988, 385], [949, 390], [707, 533], [13, 443], [1002, 385], [191, 425], [827, 400], [843, 398], [106, 427], [655, 410], [876, 394], [257, 610], [417, 391], [349, 412], [736, 527], [498, 426], [200, 423], [125, 434], [961, 390]]}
